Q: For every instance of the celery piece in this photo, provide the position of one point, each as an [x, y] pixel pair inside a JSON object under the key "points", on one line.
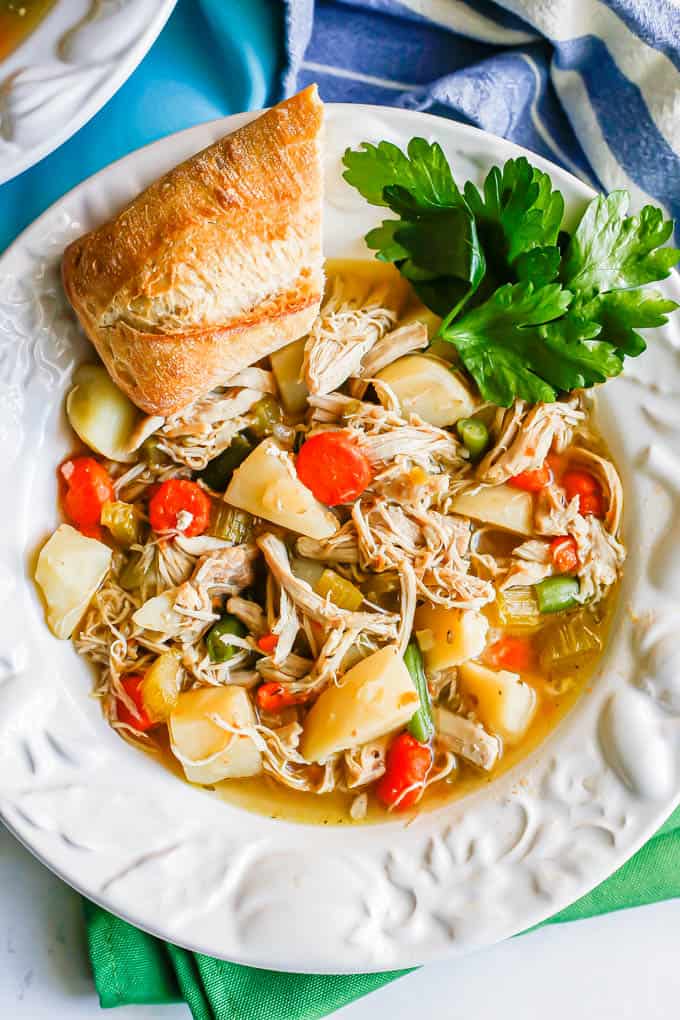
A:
{"points": [[152, 454], [339, 590], [134, 573], [161, 686], [307, 570], [382, 587], [518, 607], [123, 521], [564, 643], [230, 524]]}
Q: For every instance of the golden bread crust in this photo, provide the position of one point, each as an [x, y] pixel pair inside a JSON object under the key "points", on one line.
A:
{"points": [[213, 266]]}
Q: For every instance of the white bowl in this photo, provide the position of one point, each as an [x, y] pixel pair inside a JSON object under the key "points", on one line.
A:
{"points": [[67, 69], [178, 862]]}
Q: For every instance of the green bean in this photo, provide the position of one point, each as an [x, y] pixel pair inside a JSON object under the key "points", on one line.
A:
{"points": [[421, 725], [474, 436], [219, 650], [555, 594]]}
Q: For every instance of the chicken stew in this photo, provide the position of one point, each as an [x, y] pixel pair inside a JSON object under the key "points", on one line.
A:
{"points": [[369, 585]]}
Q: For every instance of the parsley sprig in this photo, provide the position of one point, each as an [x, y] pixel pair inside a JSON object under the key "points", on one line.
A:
{"points": [[434, 242], [531, 311]]}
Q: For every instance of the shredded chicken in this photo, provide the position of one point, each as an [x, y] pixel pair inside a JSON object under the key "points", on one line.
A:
{"points": [[434, 545], [313, 605], [253, 378], [343, 333], [525, 436], [294, 667], [202, 430], [601, 557], [286, 627], [530, 563], [342, 628], [365, 763], [468, 739], [553, 515], [385, 437], [249, 613], [342, 547], [413, 486], [384, 535], [398, 550], [226, 571], [397, 343]]}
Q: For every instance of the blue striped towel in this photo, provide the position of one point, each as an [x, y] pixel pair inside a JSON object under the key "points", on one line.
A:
{"points": [[593, 85]]}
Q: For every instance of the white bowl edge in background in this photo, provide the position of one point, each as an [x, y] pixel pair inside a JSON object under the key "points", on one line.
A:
{"points": [[77, 57]]}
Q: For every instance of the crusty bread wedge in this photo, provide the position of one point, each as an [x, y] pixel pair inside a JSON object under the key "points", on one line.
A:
{"points": [[214, 266]]}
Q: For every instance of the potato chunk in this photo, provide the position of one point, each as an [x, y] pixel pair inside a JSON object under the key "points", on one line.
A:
{"points": [[159, 614], [101, 414], [287, 369], [161, 685], [502, 505], [208, 752], [375, 697], [428, 387], [504, 703], [70, 569], [266, 485], [448, 637]]}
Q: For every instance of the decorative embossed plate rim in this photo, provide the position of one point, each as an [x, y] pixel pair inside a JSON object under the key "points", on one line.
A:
{"points": [[67, 69], [212, 877]]}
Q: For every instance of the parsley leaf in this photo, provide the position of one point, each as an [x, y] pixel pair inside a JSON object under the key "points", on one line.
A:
{"points": [[518, 213], [434, 243], [383, 240], [520, 343], [538, 266], [424, 173], [610, 250], [574, 355], [620, 312], [531, 337]]}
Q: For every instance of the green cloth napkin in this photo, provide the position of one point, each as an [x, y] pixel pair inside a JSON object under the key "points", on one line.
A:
{"points": [[132, 967]]}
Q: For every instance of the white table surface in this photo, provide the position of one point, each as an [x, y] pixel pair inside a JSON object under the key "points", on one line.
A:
{"points": [[621, 966]]}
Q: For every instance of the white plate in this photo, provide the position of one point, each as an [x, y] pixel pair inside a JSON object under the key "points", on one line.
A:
{"points": [[65, 71], [176, 861]]}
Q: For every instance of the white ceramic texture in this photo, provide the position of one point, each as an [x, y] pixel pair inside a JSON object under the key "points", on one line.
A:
{"points": [[65, 71], [175, 860]]}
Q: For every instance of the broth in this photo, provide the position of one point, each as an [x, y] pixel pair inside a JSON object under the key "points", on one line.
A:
{"points": [[264, 795], [267, 797], [558, 682], [18, 18]]}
